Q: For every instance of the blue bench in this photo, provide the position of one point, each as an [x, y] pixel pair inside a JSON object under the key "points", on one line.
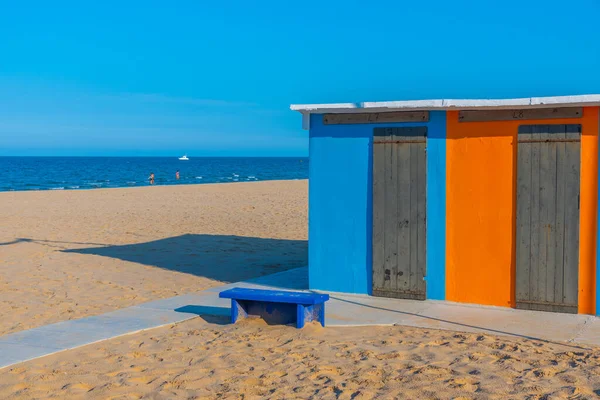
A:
{"points": [[275, 306]]}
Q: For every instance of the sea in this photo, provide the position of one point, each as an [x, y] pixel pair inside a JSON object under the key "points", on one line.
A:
{"points": [[80, 173]]}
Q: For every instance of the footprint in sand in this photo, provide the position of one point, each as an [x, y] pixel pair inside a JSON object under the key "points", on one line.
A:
{"points": [[469, 385], [145, 380], [17, 370], [82, 387], [391, 356], [20, 386], [532, 389], [433, 370]]}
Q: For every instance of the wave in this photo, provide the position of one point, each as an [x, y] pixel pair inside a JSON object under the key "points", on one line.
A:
{"points": [[31, 173]]}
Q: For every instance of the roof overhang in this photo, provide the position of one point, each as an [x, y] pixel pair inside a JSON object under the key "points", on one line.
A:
{"points": [[445, 104]]}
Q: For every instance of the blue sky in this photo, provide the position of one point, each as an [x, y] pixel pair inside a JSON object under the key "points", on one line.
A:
{"points": [[217, 78]]}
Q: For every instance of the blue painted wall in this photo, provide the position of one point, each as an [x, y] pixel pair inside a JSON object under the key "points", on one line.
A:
{"points": [[436, 207], [341, 210]]}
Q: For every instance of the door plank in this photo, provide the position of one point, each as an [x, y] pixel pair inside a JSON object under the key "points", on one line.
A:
{"points": [[536, 216], [523, 247], [389, 247], [559, 237], [572, 165], [378, 214], [421, 215], [404, 187]]}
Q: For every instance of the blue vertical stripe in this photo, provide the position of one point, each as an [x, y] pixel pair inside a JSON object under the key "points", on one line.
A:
{"points": [[436, 207]]}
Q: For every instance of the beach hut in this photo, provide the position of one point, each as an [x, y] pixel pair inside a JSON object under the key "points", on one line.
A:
{"points": [[491, 202]]}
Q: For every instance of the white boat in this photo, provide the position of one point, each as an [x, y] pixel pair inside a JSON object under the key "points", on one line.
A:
{"points": [[184, 158]]}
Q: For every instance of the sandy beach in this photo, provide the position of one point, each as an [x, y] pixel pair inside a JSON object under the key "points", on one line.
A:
{"points": [[206, 360], [70, 254]]}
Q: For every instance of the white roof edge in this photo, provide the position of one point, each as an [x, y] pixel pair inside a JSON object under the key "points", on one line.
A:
{"points": [[449, 104]]}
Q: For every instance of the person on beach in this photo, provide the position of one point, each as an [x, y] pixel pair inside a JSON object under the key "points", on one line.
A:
{"points": [[177, 175], [151, 178]]}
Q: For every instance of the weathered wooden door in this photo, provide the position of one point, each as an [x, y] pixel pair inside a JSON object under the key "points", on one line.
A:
{"points": [[548, 171], [399, 212]]}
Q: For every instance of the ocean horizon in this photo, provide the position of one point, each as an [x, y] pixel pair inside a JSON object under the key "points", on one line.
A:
{"points": [[30, 173]]}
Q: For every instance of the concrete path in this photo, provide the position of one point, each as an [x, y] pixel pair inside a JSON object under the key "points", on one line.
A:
{"points": [[342, 310], [352, 310], [67, 335]]}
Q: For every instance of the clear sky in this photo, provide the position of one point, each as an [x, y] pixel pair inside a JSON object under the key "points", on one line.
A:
{"points": [[217, 77]]}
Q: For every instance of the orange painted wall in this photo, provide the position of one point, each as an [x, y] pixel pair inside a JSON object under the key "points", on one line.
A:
{"points": [[481, 209], [588, 211]]}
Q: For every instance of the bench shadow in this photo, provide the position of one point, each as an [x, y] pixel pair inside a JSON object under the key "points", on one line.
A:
{"points": [[212, 315], [222, 258]]}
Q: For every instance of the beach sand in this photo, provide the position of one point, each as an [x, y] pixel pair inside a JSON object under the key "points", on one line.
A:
{"points": [[250, 360], [66, 255], [70, 254]]}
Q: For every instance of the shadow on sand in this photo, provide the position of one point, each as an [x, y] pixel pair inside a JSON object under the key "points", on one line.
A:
{"points": [[213, 315], [218, 257]]}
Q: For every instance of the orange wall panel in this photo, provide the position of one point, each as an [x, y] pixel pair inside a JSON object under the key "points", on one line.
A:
{"points": [[481, 209], [588, 211]]}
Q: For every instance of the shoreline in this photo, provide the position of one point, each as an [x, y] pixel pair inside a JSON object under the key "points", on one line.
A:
{"points": [[148, 186], [39, 174]]}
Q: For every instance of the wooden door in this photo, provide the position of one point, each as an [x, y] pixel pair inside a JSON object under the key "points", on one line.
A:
{"points": [[548, 175], [399, 212]]}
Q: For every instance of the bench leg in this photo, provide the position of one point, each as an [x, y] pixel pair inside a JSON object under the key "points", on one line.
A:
{"points": [[317, 313], [309, 313], [320, 311], [237, 311], [300, 316]]}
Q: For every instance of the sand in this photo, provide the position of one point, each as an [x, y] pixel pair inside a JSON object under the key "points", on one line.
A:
{"points": [[204, 360], [70, 254], [66, 255]]}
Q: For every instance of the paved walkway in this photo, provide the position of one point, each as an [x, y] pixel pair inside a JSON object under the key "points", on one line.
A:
{"points": [[342, 310], [67, 335]]}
